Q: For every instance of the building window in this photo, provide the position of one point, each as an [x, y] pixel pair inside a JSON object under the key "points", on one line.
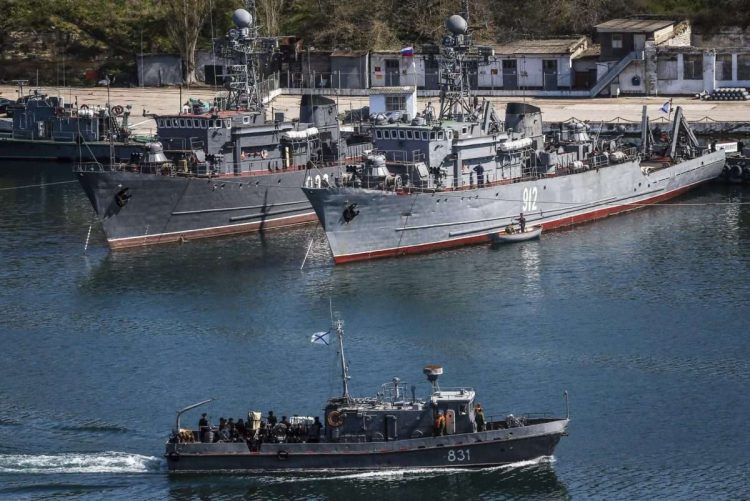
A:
{"points": [[617, 40], [723, 66], [693, 66], [666, 67], [395, 103], [743, 66]]}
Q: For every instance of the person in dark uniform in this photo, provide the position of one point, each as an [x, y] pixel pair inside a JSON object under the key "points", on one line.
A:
{"points": [[313, 433], [271, 419], [479, 418], [522, 222], [203, 423]]}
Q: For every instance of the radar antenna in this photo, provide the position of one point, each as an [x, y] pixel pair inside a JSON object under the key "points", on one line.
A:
{"points": [[243, 46], [455, 90]]}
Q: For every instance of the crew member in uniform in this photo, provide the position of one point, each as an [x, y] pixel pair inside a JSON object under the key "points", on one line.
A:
{"points": [[440, 424], [522, 222], [479, 418]]}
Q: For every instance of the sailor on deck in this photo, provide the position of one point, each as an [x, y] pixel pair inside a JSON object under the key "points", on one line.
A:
{"points": [[440, 424]]}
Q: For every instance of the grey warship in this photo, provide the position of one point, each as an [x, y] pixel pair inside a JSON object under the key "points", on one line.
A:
{"points": [[457, 177], [45, 127], [393, 429], [223, 169]]}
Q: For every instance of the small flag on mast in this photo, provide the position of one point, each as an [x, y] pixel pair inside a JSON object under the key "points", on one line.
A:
{"points": [[666, 107], [321, 338], [407, 51]]}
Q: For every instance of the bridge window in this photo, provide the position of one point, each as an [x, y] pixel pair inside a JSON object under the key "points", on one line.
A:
{"points": [[203, 123], [378, 134], [432, 135], [409, 135], [394, 134], [425, 135], [245, 120], [228, 123], [182, 122], [401, 134], [441, 134]]}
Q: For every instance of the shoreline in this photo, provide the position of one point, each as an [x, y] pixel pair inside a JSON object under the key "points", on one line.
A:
{"points": [[161, 100]]}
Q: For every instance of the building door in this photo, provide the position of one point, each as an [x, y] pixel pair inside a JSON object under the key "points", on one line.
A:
{"points": [[549, 66], [431, 74], [392, 72], [510, 74]]}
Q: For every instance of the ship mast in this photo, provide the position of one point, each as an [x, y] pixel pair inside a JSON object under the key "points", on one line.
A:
{"points": [[339, 325], [242, 46], [454, 89]]}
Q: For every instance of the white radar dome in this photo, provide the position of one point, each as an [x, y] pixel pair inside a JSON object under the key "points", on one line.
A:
{"points": [[242, 18], [456, 24]]}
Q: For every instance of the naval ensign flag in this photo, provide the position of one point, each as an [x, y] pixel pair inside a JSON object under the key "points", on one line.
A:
{"points": [[321, 338]]}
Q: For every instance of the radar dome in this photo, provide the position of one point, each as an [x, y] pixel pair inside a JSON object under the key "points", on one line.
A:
{"points": [[456, 24], [242, 18]]}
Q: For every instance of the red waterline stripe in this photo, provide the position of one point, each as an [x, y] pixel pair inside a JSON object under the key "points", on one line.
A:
{"points": [[211, 232], [483, 238]]}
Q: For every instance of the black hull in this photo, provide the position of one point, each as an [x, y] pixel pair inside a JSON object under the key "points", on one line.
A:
{"points": [[455, 451], [168, 208]]}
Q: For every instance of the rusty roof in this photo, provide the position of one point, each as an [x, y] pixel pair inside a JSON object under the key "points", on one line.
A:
{"points": [[634, 25]]}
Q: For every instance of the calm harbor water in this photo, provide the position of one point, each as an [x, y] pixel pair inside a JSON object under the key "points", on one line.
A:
{"points": [[643, 318]]}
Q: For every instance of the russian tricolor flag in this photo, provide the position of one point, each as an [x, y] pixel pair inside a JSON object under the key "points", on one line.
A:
{"points": [[407, 51]]}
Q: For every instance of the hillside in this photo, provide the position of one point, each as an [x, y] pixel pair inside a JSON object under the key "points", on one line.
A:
{"points": [[65, 39]]}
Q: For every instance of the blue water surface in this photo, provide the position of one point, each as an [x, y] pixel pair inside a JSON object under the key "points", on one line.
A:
{"points": [[642, 317]]}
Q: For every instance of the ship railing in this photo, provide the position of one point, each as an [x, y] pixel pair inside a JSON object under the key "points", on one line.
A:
{"points": [[511, 420]]}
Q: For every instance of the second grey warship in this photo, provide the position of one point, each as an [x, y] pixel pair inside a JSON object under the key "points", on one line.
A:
{"points": [[458, 177], [394, 429], [224, 169]]}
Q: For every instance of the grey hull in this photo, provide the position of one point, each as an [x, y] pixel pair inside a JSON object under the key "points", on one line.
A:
{"points": [[387, 223], [172, 208], [453, 451], [19, 149]]}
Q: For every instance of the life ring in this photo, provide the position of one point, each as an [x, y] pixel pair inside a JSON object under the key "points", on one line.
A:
{"points": [[335, 419], [263, 154], [118, 110]]}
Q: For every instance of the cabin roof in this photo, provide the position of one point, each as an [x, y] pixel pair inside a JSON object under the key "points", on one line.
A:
{"points": [[634, 25], [567, 45]]}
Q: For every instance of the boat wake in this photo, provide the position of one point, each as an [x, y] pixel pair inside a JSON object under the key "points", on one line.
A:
{"points": [[98, 462], [413, 473]]}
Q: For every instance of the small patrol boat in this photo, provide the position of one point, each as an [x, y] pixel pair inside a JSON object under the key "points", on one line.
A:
{"points": [[393, 429], [506, 236]]}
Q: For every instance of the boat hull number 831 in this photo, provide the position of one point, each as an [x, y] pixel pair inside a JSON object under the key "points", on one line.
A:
{"points": [[459, 455], [529, 199]]}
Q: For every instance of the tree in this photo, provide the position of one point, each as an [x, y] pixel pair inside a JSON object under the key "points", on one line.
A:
{"points": [[269, 15], [185, 18]]}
